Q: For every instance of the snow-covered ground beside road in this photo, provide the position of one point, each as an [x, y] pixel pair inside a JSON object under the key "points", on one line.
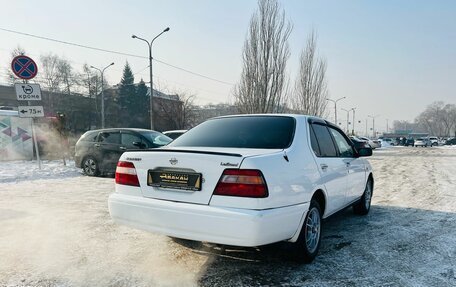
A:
{"points": [[17, 171], [55, 230]]}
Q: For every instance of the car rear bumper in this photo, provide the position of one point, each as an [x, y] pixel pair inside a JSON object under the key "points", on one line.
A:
{"points": [[78, 161], [230, 226]]}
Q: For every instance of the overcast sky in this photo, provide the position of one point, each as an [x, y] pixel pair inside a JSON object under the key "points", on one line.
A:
{"points": [[389, 58]]}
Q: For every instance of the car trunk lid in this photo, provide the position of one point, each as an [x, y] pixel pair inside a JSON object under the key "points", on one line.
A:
{"points": [[186, 174]]}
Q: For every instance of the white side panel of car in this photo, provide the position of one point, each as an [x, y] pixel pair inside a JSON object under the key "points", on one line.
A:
{"points": [[356, 178]]}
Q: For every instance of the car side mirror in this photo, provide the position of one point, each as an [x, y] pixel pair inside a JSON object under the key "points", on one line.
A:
{"points": [[364, 152], [139, 144]]}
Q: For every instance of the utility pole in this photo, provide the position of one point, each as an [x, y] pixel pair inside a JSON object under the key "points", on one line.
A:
{"points": [[353, 124], [335, 107], [348, 116], [150, 74], [102, 93], [373, 124]]}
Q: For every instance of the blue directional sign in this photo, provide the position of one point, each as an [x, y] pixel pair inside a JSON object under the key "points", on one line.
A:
{"points": [[24, 67]]}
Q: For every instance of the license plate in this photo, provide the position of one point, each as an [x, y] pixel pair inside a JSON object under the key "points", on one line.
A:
{"points": [[174, 179]]}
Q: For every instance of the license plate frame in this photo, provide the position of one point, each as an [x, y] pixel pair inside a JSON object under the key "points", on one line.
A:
{"points": [[170, 179]]}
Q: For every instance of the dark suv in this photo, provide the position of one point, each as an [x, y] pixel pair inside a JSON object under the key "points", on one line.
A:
{"points": [[98, 151]]}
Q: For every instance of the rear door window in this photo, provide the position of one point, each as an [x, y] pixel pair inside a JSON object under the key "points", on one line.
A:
{"points": [[345, 149], [314, 142], [109, 137], [325, 141]]}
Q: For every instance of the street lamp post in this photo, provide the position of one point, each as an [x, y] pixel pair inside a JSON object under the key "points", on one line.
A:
{"points": [[335, 107], [348, 116], [150, 71], [373, 124], [102, 93], [353, 124]]}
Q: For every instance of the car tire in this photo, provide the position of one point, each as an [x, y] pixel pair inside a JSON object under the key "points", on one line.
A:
{"points": [[308, 242], [90, 166], [362, 207]]}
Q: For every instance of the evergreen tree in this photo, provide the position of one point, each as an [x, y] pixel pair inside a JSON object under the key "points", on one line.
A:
{"points": [[142, 101], [127, 95]]}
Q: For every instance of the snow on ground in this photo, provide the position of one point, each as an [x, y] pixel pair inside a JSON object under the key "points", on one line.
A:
{"points": [[56, 231], [17, 171]]}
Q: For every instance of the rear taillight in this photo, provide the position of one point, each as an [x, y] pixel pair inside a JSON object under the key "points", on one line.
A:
{"points": [[126, 173], [242, 182]]}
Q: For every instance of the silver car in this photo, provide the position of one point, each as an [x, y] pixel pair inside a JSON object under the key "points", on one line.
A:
{"points": [[422, 142]]}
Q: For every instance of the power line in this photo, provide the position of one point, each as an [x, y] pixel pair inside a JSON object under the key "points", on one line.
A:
{"points": [[113, 52]]}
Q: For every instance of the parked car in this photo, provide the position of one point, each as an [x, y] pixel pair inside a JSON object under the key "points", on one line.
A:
{"points": [[388, 141], [359, 143], [422, 142], [410, 142], [245, 180], [373, 143], [174, 134], [434, 141], [451, 141], [98, 151]]}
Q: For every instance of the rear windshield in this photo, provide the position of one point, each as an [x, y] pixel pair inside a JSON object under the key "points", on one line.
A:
{"points": [[89, 136], [263, 132]]}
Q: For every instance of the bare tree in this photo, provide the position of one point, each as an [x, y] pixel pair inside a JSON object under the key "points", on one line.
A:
{"points": [[50, 75], [180, 113], [311, 88], [50, 72], [69, 78], [438, 119], [262, 88]]}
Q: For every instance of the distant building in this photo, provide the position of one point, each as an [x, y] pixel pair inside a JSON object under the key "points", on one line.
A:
{"points": [[214, 110], [84, 113]]}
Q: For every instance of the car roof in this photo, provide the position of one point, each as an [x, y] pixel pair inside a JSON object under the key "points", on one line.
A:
{"points": [[122, 129], [296, 116]]}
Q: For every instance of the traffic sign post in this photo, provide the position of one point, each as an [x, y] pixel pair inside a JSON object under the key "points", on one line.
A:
{"points": [[32, 112], [28, 92], [24, 67]]}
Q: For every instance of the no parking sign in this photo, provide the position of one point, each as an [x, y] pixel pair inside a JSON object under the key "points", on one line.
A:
{"points": [[24, 67]]}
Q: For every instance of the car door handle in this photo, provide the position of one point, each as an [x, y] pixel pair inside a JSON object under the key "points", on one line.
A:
{"points": [[123, 148], [97, 145], [324, 166]]}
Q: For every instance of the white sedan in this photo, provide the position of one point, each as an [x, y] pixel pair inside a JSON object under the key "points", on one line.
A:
{"points": [[246, 180], [423, 142]]}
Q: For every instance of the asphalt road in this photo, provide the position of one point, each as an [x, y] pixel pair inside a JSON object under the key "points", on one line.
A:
{"points": [[57, 232]]}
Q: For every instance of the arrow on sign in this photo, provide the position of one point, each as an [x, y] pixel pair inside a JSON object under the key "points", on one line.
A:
{"points": [[23, 111]]}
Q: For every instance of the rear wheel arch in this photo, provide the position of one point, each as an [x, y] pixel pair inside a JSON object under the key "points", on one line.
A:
{"points": [[320, 197]]}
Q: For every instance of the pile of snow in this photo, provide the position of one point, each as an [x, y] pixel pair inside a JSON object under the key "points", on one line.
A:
{"points": [[17, 171], [447, 147]]}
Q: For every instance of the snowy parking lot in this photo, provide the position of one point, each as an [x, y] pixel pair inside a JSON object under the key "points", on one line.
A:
{"points": [[55, 230]]}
